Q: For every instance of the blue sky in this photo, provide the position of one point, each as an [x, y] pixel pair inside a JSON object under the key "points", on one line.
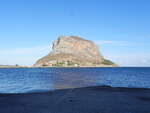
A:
{"points": [[121, 28]]}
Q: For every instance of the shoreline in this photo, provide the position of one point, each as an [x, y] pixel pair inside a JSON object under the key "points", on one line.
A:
{"points": [[96, 99], [7, 67]]}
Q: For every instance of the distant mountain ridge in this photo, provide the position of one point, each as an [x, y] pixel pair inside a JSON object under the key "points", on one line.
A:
{"points": [[74, 51], [9, 66]]}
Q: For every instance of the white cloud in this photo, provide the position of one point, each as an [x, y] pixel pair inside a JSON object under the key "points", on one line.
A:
{"points": [[28, 56], [125, 58], [101, 42], [130, 59], [22, 51], [119, 43], [23, 56]]}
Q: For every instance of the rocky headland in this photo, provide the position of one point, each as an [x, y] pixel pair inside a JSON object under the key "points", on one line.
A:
{"points": [[74, 51]]}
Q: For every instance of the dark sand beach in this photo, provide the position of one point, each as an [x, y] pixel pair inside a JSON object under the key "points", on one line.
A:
{"points": [[80, 100]]}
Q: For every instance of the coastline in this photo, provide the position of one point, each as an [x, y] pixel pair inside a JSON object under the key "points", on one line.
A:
{"points": [[98, 99], [70, 67], [14, 67], [56, 66]]}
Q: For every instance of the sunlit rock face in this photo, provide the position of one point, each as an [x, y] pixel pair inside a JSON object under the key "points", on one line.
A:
{"points": [[72, 51]]}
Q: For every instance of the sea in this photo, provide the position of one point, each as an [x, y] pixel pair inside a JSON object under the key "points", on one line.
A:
{"points": [[30, 80]]}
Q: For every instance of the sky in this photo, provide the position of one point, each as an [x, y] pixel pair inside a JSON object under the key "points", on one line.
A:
{"points": [[120, 28]]}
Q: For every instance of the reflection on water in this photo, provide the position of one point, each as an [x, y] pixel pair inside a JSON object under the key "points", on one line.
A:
{"points": [[45, 79], [71, 78]]}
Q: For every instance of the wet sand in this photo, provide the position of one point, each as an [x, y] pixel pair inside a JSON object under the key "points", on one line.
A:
{"points": [[79, 100]]}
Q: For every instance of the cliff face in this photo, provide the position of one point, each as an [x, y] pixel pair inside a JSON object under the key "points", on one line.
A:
{"points": [[73, 51]]}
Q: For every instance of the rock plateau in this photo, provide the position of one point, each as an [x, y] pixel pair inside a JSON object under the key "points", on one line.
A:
{"points": [[74, 51]]}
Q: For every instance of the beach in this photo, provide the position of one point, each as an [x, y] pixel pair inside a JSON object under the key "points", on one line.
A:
{"points": [[98, 99]]}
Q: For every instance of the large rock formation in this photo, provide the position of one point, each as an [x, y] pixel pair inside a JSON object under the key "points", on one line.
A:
{"points": [[73, 51]]}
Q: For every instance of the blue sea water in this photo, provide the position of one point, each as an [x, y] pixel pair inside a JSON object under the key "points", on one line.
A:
{"points": [[24, 80]]}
